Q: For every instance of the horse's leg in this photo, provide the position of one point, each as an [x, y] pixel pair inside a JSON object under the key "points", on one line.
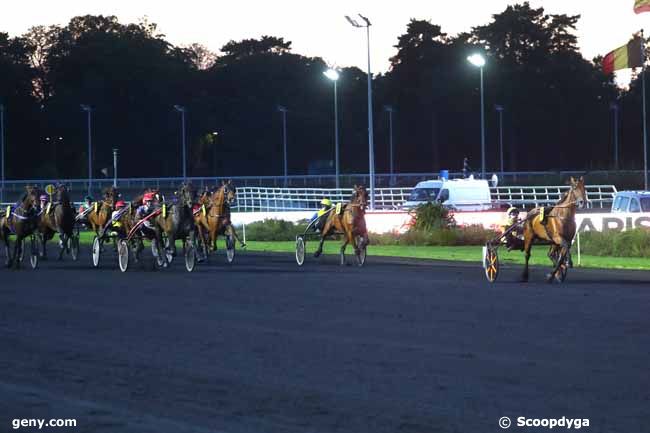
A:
{"points": [[213, 236], [528, 245], [8, 261], [18, 246], [43, 252], [563, 246], [347, 239], [171, 238], [326, 229]]}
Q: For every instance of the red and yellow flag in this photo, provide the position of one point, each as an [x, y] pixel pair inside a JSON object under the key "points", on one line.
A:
{"points": [[641, 6], [627, 56]]}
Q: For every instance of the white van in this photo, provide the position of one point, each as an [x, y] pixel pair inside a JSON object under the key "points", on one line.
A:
{"points": [[631, 201], [457, 194]]}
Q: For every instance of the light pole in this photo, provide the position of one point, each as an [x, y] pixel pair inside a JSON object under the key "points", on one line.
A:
{"points": [[333, 75], [88, 109], [2, 150], [182, 110], [284, 110], [390, 110], [114, 168], [215, 137], [499, 109], [615, 107], [371, 144], [479, 61]]}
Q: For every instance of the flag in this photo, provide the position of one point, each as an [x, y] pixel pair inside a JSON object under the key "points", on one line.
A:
{"points": [[641, 6], [627, 56]]}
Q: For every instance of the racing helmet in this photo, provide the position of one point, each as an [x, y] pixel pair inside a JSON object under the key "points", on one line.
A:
{"points": [[326, 202], [513, 211], [147, 197], [120, 204], [88, 198], [43, 197]]}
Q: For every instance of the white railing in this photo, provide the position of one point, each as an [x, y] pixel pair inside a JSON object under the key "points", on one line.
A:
{"points": [[296, 199], [599, 196], [256, 199]]}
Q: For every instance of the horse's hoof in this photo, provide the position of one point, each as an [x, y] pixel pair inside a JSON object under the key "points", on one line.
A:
{"points": [[317, 254]]}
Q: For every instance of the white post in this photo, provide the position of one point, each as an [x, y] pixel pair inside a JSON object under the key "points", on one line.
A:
{"points": [[578, 236]]}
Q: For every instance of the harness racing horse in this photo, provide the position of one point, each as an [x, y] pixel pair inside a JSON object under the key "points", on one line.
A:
{"points": [[351, 222], [57, 217], [200, 211], [219, 222], [101, 213], [557, 226], [176, 220], [21, 221]]}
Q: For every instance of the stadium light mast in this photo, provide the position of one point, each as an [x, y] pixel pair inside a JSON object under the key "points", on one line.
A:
{"points": [[183, 110], [2, 150], [333, 75], [499, 109], [284, 110], [88, 109], [479, 61], [371, 144]]}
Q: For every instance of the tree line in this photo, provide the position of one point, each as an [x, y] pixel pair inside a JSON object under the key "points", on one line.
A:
{"points": [[557, 105]]}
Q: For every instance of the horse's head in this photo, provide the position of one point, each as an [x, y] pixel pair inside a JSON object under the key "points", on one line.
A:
{"points": [[204, 198], [360, 196], [186, 194], [62, 195], [230, 191], [30, 198], [579, 192]]}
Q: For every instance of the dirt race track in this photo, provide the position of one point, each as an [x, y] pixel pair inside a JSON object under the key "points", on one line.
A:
{"points": [[265, 346]]}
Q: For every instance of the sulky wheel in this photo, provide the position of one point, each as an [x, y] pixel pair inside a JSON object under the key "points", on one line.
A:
{"points": [[74, 247], [190, 255], [230, 248], [300, 250], [158, 254], [491, 264], [34, 251], [97, 251], [123, 254]]}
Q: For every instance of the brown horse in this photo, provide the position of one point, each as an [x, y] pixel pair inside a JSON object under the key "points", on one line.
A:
{"points": [[350, 221], [102, 210], [200, 211], [57, 217], [218, 216], [557, 226], [21, 221]]}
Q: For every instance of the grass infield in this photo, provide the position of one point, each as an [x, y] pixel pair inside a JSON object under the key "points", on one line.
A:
{"points": [[464, 253]]}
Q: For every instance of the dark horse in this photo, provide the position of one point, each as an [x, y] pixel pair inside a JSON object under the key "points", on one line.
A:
{"points": [[557, 226], [177, 221], [350, 221], [21, 221], [57, 217]]}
